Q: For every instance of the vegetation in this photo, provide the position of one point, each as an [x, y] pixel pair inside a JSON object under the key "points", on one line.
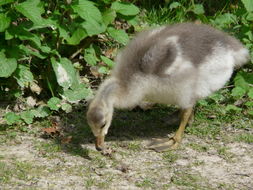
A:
{"points": [[53, 53]]}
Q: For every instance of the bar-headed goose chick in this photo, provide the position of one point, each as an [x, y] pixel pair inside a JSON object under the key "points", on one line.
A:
{"points": [[177, 64]]}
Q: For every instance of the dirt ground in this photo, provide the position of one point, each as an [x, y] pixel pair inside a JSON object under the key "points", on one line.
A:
{"points": [[29, 160]]}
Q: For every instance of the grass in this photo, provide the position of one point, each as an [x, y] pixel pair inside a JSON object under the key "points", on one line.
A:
{"points": [[145, 183], [190, 181], [170, 157], [13, 171], [225, 154], [245, 137], [199, 147], [212, 125]]}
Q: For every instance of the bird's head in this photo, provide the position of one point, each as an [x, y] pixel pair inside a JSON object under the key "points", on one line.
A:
{"points": [[99, 116]]}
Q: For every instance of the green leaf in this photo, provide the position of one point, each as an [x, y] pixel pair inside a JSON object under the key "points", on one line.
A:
{"points": [[87, 10], [65, 72], [250, 112], [66, 107], [3, 2], [54, 103], [249, 17], [248, 4], [250, 93], [203, 102], [225, 19], [11, 118], [23, 75], [118, 35], [108, 16], [90, 56], [78, 35], [7, 66], [4, 22], [103, 70], [31, 51], [233, 108], [175, 5], [198, 9], [21, 33], [249, 104], [27, 116], [125, 8], [79, 93], [92, 27], [240, 80], [107, 61], [238, 91], [217, 97], [93, 23], [32, 9], [41, 111]]}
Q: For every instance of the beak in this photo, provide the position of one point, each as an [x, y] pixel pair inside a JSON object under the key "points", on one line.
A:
{"points": [[100, 143]]}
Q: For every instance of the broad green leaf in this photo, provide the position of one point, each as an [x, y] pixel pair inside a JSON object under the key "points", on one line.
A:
{"points": [[7, 66], [41, 112], [87, 11], [4, 22], [66, 107], [23, 75], [249, 35], [125, 8], [198, 9], [250, 112], [3, 2], [233, 108], [103, 70], [225, 19], [118, 35], [248, 4], [107, 61], [203, 102], [93, 23], [250, 93], [63, 32], [249, 16], [240, 81], [27, 116], [90, 56], [108, 16], [238, 91], [11, 118], [21, 33], [92, 27], [31, 51], [54, 103], [32, 9], [65, 72], [78, 35], [217, 97], [79, 93], [249, 104], [175, 5]]}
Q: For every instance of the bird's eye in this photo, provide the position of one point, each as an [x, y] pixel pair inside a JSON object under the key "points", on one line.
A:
{"points": [[103, 125]]}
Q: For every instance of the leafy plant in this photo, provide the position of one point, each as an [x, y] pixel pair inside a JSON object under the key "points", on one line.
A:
{"points": [[42, 44]]}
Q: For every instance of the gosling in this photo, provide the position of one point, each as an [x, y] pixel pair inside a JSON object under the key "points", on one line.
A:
{"points": [[176, 65]]}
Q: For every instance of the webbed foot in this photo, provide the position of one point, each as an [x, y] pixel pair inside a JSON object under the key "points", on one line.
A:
{"points": [[161, 145]]}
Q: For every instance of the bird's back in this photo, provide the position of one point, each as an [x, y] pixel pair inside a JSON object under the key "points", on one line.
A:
{"points": [[153, 52]]}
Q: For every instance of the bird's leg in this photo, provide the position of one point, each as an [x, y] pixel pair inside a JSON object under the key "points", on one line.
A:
{"points": [[160, 145]]}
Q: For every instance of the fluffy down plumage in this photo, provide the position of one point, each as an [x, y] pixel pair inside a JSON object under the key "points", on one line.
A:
{"points": [[177, 64]]}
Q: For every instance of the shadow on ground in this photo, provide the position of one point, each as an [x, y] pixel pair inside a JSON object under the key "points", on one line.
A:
{"points": [[126, 125]]}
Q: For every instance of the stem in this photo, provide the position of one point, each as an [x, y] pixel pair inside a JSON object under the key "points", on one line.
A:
{"points": [[50, 87]]}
